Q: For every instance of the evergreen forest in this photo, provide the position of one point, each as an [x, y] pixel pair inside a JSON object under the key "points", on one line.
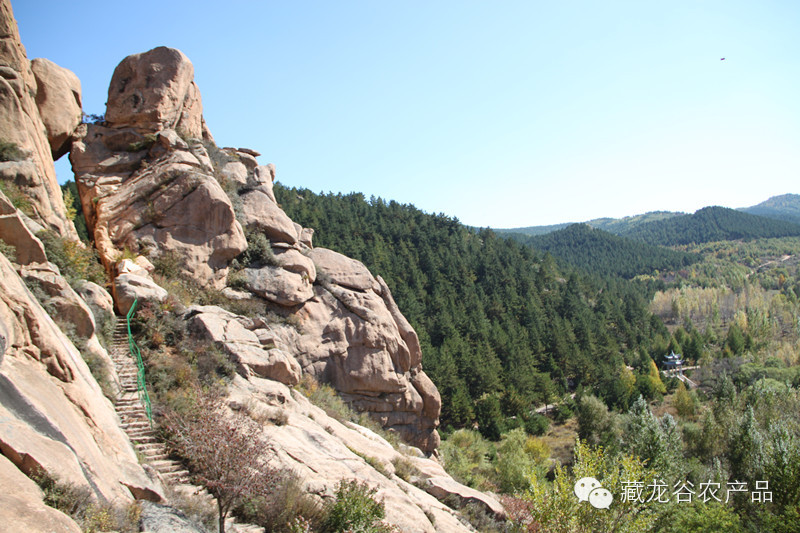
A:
{"points": [[600, 252]]}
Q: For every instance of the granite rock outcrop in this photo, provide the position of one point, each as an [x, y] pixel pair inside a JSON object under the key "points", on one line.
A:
{"points": [[144, 176], [27, 161]]}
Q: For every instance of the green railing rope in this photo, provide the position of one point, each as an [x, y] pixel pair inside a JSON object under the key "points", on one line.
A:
{"points": [[140, 384]]}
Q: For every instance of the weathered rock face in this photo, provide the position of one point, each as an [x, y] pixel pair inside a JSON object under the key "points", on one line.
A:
{"points": [[23, 507], [145, 188], [322, 451], [54, 414], [350, 334], [58, 97], [249, 342], [21, 125], [154, 91], [15, 232], [357, 340]]}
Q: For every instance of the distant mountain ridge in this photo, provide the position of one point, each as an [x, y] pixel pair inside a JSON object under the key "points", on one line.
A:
{"points": [[785, 207], [711, 224]]}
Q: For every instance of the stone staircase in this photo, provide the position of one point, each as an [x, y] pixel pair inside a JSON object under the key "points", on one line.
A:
{"points": [[133, 414], [144, 438]]}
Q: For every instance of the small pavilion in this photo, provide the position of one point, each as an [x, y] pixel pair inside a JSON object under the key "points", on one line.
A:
{"points": [[673, 362]]}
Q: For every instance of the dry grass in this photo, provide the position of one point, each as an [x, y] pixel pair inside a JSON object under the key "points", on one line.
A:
{"points": [[561, 440]]}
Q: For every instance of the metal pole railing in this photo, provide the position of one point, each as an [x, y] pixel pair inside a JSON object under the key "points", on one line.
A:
{"points": [[140, 383]]}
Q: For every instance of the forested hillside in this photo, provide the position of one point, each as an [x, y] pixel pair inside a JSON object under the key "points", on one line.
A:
{"points": [[600, 252], [502, 328], [784, 207], [711, 224]]}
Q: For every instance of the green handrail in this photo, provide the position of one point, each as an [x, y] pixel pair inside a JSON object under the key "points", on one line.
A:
{"points": [[140, 384]]}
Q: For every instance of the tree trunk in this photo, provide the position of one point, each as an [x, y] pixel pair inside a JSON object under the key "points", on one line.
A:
{"points": [[221, 516]]}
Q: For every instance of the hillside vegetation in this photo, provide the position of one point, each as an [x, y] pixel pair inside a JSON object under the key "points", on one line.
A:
{"points": [[711, 224], [600, 252]]}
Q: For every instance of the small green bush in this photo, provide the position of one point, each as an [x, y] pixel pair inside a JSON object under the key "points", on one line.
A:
{"points": [[537, 424], [355, 509], [288, 509], [75, 261], [18, 199], [405, 469], [8, 250], [259, 250], [65, 497], [138, 146], [466, 456]]}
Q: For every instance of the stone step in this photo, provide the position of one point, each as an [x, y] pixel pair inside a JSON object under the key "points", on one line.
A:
{"points": [[129, 407], [136, 425], [143, 439], [156, 447], [180, 477], [134, 411], [134, 421], [165, 467], [140, 432], [127, 400]]}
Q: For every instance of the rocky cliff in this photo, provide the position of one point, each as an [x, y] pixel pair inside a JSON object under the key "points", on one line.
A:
{"points": [[28, 91], [154, 187]]}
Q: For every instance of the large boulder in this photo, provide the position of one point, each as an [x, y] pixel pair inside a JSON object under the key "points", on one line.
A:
{"points": [[261, 212], [14, 232], [129, 288], [159, 518], [342, 270], [352, 335], [247, 342], [323, 451], [58, 97], [155, 90], [278, 285]]}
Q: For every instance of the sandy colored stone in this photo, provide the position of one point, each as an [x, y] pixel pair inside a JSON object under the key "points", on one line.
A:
{"points": [[58, 98], [351, 340], [131, 287], [306, 237], [24, 506], [55, 415], [260, 212], [153, 91], [236, 336], [294, 261], [96, 297], [278, 285], [323, 451], [22, 125], [235, 172], [342, 270], [13, 231]]}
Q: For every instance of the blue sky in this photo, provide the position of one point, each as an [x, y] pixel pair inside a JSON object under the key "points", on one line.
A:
{"points": [[501, 113]]}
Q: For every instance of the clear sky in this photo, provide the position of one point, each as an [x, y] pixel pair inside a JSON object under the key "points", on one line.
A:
{"points": [[500, 113]]}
